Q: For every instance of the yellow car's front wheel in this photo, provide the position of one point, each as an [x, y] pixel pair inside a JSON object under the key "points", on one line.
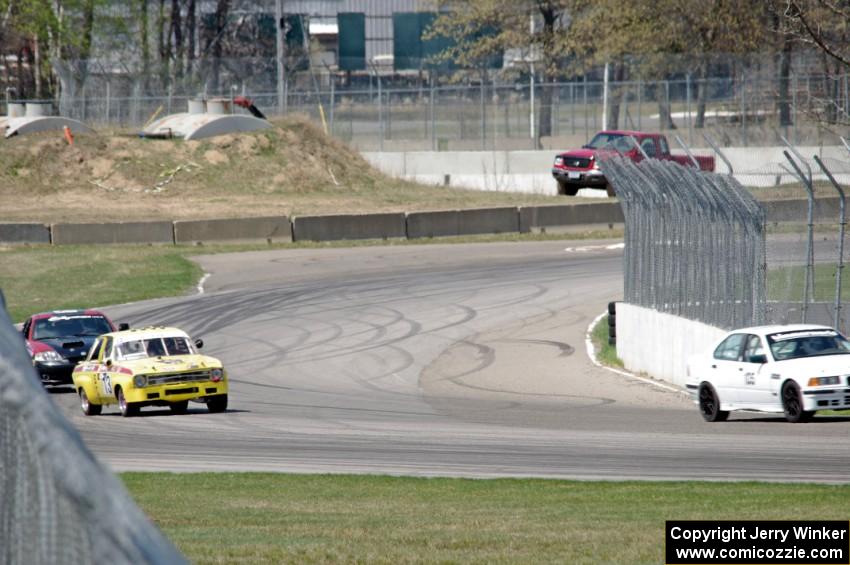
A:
{"points": [[217, 403], [127, 408], [179, 407]]}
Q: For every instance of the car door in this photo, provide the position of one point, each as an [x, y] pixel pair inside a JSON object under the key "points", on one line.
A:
{"points": [[754, 374], [725, 365], [100, 374], [105, 385], [91, 370]]}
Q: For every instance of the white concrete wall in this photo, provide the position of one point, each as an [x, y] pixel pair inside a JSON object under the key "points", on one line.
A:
{"points": [[529, 171], [660, 344], [500, 171]]}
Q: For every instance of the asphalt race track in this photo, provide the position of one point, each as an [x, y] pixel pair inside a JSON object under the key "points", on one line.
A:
{"points": [[450, 360]]}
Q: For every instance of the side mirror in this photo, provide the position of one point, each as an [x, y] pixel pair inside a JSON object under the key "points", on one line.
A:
{"points": [[109, 362], [123, 326], [761, 359], [199, 343]]}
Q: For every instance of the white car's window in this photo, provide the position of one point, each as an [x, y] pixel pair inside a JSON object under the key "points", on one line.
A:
{"points": [[154, 347], [812, 343], [730, 348], [753, 349]]}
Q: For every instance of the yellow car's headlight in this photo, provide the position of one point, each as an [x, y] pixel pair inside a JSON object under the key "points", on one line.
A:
{"points": [[140, 381], [216, 375]]}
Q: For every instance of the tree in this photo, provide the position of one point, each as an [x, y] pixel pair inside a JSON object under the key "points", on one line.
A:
{"points": [[215, 44], [535, 30], [825, 26]]}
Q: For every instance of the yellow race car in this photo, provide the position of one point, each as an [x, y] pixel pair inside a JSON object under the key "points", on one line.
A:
{"points": [[153, 366]]}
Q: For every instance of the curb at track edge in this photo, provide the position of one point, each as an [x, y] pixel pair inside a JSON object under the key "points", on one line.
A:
{"points": [[591, 353]]}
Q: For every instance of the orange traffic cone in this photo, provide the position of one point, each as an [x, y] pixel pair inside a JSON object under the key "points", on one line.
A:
{"points": [[69, 137]]}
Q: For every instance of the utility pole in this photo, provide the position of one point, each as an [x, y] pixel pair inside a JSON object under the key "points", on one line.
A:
{"points": [[605, 99], [280, 40], [531, 85]]}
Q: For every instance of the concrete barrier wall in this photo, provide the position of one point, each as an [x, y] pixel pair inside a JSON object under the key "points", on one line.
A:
{"points": [[462, 222], [566, 216], [368, 226], [354, 226], [660, 344], [826, 209], [125, 232], [270, 229], [24, 233], [529, 171]]}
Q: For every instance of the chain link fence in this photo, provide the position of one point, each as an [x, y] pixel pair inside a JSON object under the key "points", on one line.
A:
{"points": [[379, 109], [58, 504], [695, 242], [701, 246], [806, 245]]}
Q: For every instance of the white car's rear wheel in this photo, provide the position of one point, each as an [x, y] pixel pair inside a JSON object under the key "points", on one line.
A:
{"points": [[792, 404], [709, 404]]}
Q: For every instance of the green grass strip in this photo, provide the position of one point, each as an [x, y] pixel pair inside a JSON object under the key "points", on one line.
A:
{"points": [[786, 283], [262, 518], [605, 352], [36, 279]]}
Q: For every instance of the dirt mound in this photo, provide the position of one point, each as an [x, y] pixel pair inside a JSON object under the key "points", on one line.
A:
{"points": [[292, 168], [294, 156]]}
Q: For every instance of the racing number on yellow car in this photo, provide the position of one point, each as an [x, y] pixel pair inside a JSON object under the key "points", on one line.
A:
{"points": [[107, 384]]}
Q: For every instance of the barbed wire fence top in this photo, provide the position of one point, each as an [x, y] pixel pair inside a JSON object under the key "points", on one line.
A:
{"points": [[58, 504], [695, 242]]}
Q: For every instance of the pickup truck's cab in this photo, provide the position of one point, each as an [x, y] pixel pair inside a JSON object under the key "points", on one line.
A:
{"points": [[580, 168]]}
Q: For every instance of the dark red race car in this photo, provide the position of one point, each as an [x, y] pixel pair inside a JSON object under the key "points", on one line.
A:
{"points": [[58, 340]]}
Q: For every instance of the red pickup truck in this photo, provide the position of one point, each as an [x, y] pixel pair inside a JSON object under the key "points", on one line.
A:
{"points": [[580, 168]]}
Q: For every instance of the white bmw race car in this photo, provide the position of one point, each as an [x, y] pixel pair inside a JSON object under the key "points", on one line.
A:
{"points": [[795, 370]]}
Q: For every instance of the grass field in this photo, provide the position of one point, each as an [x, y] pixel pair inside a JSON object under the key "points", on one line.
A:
{"points": [[278, 518], [786, 283], [40, 278]]}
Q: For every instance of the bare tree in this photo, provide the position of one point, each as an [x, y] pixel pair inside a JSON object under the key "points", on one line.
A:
{"points": [[825, 26]]}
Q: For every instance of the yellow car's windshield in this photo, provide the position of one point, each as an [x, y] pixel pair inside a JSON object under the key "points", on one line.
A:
{"points": [[154, 347]]}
